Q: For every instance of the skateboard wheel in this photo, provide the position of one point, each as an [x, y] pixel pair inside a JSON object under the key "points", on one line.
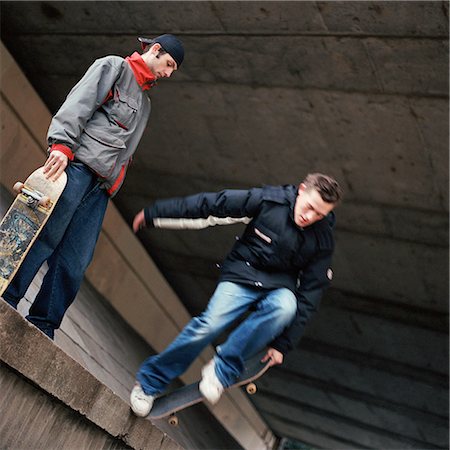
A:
{"points": [[18, 187], [251, 388], [44, 201], [173, 420]]}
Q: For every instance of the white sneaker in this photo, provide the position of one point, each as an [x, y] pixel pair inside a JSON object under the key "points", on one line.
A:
{"points": [[141, 403], [210, 386]]}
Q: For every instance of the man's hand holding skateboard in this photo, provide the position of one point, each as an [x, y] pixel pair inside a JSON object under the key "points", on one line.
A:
{"points": [[55, 165], [275, 357]]}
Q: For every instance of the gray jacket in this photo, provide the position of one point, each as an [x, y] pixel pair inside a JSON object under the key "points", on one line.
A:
{"points": [[102, 120]]}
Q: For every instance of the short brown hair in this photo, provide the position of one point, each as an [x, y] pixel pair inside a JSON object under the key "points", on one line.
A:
{"points": [[326, 186]]}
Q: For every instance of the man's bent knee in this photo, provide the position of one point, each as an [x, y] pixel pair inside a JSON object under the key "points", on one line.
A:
{"points": [[201, 326], [287, 305]]}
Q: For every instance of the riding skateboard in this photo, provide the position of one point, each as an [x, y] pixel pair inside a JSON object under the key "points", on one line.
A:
{"points": [[24, 220], [169, 404]]}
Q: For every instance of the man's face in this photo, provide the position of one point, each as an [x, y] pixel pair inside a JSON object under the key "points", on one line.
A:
{"points": [[309, 207], [162, 66]]}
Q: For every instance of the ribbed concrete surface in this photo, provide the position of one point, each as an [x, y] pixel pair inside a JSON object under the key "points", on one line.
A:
{"points": [[34, 420]]}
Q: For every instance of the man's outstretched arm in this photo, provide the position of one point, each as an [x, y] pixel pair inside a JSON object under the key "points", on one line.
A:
{"points": [[201, 210]]}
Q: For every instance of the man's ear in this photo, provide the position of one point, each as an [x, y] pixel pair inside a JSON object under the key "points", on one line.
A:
{"points": [[155, 48], [301, 188]]}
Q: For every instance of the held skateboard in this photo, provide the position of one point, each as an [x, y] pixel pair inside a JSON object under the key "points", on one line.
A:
{"points": [[169, 404], [25, 219]]}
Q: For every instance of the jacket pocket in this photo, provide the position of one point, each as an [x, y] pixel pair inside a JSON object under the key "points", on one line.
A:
{"points": [[124, 110], [100, 151], [261, 243], [263, 236]]}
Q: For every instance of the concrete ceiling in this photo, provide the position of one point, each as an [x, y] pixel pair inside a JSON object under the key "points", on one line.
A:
{"points": [[270, 91]]}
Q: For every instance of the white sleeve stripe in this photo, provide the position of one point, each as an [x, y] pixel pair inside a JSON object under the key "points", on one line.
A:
{"points": [[197, 224]]}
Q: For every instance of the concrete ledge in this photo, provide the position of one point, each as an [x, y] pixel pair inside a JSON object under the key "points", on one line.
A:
{"points": [[29, 352]]}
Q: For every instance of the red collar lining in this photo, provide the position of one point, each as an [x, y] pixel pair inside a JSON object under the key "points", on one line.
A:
{"points": [[142, 73]]}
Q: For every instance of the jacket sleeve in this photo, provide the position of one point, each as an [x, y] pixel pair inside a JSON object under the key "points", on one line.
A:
{"points": [[83, 100], [204, 210], [314, 280]]}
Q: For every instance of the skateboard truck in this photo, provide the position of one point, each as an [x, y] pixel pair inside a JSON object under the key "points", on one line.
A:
{"points": [[33, 198]]}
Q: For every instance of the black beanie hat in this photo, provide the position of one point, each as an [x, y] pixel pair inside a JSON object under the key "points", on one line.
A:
{"points": [[169, 43]]}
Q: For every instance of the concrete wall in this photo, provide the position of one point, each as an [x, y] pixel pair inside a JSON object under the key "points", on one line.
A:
{"points": [[268, 91], [50, 401]]}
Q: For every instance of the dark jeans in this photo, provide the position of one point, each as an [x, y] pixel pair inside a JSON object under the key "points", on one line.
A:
{"points": [[67, 244]]}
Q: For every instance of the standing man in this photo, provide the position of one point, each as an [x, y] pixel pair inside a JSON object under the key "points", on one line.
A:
{"points": [[279, 268], [92, 137]]}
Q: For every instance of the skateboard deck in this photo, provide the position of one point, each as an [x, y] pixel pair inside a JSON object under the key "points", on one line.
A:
{"points": [[169, 404], [25, 219]]}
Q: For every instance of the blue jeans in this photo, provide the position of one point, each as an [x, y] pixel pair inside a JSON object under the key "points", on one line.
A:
{"points": [[274, 310], [67, 243]]}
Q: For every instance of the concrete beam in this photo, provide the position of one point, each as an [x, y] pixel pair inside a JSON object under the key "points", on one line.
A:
{"points": [[360, 374], [386, 415], [336, 425], [414, 346], [419, 19], [359, 64]]}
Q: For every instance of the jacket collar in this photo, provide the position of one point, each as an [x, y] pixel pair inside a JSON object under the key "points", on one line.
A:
{"points": [[142, 73]]}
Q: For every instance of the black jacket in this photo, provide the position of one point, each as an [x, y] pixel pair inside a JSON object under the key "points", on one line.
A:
{"points": [[273, 251]]}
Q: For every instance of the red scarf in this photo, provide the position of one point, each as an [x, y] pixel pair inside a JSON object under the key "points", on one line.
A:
{"points": [[142, 73]]}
